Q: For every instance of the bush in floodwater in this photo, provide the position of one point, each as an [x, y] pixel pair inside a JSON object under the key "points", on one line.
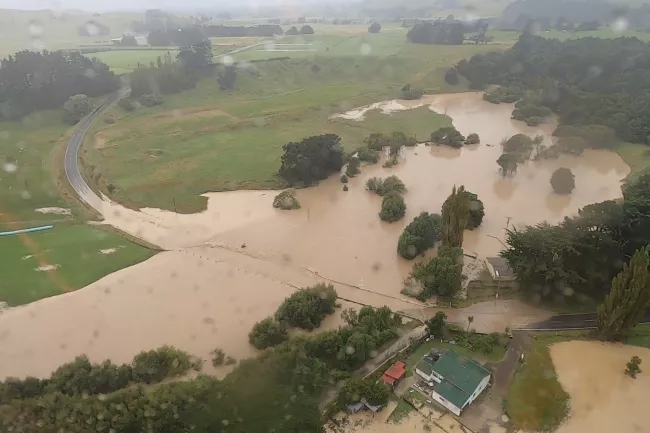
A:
{"points": [[345, 188], [307, 307], [353, 167], [267, 333], [472, 138], [385, 186], [218, 357], [156, 365], [344, 179], [286, 200], [563, 181], [476, 211], [420, 235], [390, 162], [393, 207]]}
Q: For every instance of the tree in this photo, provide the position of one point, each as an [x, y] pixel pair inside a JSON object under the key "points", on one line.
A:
{"points": [[409, 92], [76, 107], [476, 211], [455, 216], [312, 159], [292, 31], [196, 57], [472, 138], [632, 367], [448, 32], [421, 234], [227, 76], [267, 333], [470, 320], [508, 163], [519, 145], [441, 275], [155, 365], [218, 357], [307, 307], [448, 136], [437, 325], [628, 297], [353, 167], [306, 30], [451, 76], [129, 41], [563, 181], [375, 27], [393, 207]]}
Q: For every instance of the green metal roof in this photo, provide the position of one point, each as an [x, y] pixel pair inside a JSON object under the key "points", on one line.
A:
{"points": [[452, 394], [462, 377], [424, 367]]}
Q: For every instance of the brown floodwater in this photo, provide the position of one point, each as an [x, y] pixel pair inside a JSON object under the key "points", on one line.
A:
{"points": [[603, 399], [232, 264]]}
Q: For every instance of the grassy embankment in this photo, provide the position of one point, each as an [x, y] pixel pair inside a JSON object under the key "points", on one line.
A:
{"points": [[207, 139], [69, 256], [536, 400]]}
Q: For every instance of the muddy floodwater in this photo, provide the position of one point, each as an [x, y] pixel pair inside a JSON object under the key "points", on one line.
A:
{"points": [[603, 399], [232, 265]]}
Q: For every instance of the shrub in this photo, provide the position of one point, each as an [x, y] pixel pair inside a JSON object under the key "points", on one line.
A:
{"points": [[292, 31], [472, 138], [345, 187], [476, 211], [368, 155], [451, 76], [108, 118], [152, 99], [344, 179], [218, 357], [82, 377], [421, 234], [126, 104], [267, 333], [374, 27], [307, 307], [520, 145], [385, 186], [286, 200], [377, 141], [306, 30], [353, 167], [230, 360], [156, 365], [563, 181], [75, 108], [393, 208], [390, 162], [410, 93]]}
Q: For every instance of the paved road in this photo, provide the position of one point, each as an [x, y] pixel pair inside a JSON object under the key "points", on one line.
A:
{"points": [[573, 321], [72, 171]]}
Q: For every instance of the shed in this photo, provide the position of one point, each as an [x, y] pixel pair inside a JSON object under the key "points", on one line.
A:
{"points": [[500, 269], [394, 373]]}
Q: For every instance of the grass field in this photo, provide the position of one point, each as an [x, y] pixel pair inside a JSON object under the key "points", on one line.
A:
{"points": [[504, 36], [207, 139], [29, 152], [536, 400], [75, 254], [640, 336], [125, 61]]}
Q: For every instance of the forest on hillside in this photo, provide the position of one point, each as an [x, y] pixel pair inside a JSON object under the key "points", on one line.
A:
{"points": [[587, 81]]}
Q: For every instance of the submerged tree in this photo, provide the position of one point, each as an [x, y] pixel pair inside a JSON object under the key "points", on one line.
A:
{"points": [[628, 298], [476, 211], [632, 367], [508, 163], [455, 215], [393, 207], [437, 324], [563, 181]]}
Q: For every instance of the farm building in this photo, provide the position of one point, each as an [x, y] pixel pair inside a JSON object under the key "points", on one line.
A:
{"points": [[455, 381], [500, 269], [394, 373]]}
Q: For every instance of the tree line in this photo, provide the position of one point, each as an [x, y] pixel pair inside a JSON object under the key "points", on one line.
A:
{"points": [[31, 81], [586, 81], [192, 34], [446, 32]]}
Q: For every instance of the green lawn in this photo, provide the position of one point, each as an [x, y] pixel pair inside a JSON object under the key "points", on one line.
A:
{"points": [[207, 139], [75, 250], [637, 156], [401, 411], [640, 336], [125, 61], [416, 356]]}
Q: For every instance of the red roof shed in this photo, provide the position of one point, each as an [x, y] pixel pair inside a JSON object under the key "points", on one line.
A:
{"points": [[394, 373]]}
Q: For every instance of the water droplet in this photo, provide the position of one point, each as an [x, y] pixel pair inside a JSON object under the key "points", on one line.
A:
{"points": [[620, 25], [25, 195], [4, 135], [365, 49], [89, 73], [227, 60], [91, 29], [10, 167], [349, 350], [35, 28]]}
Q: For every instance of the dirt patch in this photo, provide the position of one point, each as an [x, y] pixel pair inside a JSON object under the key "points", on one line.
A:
{"points": [[108, 251], [603, 398], [46, 268], [100, 140], [54, 210]]}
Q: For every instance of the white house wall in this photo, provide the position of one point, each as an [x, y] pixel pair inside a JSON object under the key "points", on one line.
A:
{"points": [[479, 389], [437, 397]]}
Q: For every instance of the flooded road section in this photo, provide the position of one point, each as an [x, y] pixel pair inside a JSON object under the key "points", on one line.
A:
{"points": [[603, 399], [232, 265]]}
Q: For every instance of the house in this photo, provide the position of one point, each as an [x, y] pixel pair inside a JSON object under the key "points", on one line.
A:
{"points": [[500, 269], [394, 373], [455, 381]]}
